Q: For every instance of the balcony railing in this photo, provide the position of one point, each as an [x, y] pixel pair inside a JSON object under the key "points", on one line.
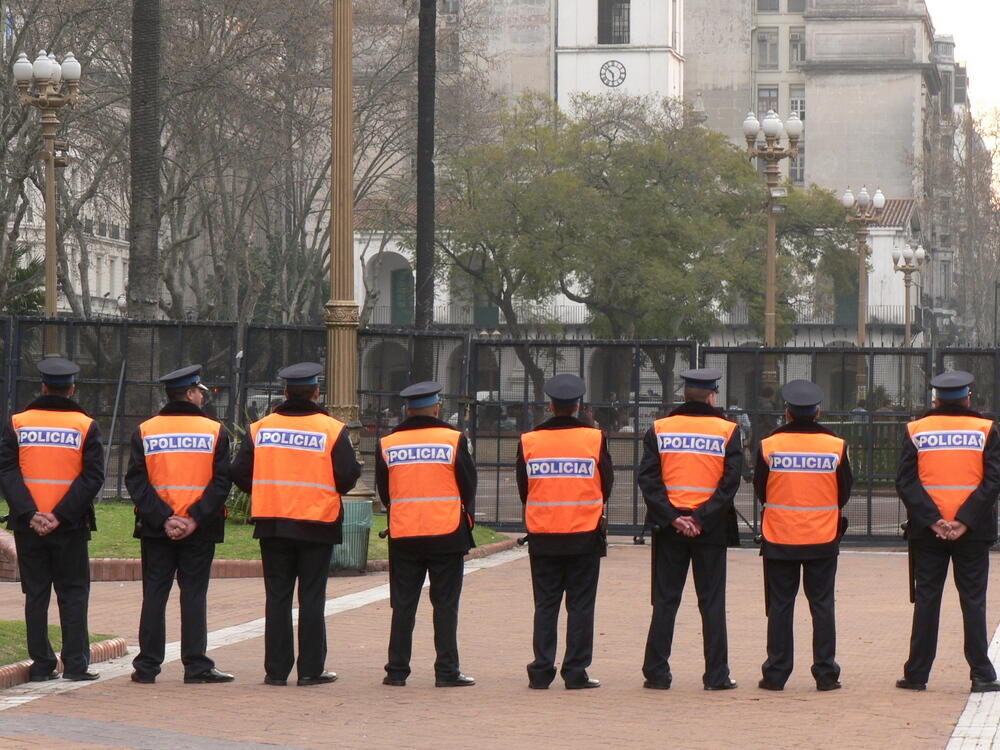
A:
{"points": [[808, 313]]}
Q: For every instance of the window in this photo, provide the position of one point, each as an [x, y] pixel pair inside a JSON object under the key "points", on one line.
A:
{"points": [[115, 232], [797, 167], [946, 100], [675, 25], [767, 99], [88, 226], [767, 49], [797, 101], [29, 213], [450, 7], [767, 6], [946, 279], [796, 46], [102, 228], [796, 6], [613, 21]]}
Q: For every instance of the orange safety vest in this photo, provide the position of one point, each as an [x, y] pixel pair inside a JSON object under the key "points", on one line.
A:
{"points": [[802, 497], [180, 457], [692, 456], [950, 457], [293, 468], [50, 452], [424, 499], [564, 483]]}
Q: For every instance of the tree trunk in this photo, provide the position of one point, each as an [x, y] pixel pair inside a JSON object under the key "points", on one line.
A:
{"points": [[423, 355], [144, 143]]}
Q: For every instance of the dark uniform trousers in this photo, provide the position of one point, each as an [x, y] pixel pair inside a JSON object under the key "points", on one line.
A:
{"points": [[284, 561], [551, 576], [782, 581], [191, 563], [672, 555], [971, 564], [58, 561], [406, 579]]}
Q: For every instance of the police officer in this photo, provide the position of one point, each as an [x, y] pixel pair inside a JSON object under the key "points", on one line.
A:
{"points": [[948, 479], [178, 479], [426, 479], [297, 463], [51, 468], [689, 473], [802, 478], [564, 476]]}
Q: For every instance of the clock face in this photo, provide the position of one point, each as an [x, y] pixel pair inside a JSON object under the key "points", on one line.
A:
{"points": [[612, 73]]}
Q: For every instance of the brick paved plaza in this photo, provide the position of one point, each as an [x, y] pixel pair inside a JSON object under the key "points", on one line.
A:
{"points": [[359, 712]]}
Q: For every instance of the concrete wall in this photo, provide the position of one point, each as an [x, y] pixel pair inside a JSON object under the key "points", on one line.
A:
{"points": [[521, 37], [717, 36]]}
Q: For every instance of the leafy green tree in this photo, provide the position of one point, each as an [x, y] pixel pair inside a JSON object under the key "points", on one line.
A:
{"points": [[23, 279], [657, 225]]}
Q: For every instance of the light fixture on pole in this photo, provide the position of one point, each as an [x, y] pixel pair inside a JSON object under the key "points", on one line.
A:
{"points": [[907, 262], [49, 85], [772, 152], [863, 211]]}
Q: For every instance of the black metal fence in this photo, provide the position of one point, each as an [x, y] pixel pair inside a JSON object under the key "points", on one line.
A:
{"points": [[493, 391]]}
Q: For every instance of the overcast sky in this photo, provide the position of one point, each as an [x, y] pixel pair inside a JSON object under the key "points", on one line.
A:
{"points": [[974, 24]]}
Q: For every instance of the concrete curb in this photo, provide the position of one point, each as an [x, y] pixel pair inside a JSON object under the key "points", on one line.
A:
{"points": [[128, 569], [18, 672]]}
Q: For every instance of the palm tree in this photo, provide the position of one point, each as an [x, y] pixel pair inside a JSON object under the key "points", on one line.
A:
{"points": [[145, 151]]}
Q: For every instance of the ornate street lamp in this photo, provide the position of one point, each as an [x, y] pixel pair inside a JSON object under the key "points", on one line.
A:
{"points": [[907, 262], [49, 85], [772, 152]]}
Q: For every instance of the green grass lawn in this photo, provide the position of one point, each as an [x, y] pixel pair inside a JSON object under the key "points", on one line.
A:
{"points": [[13, 645], [113, 537]]}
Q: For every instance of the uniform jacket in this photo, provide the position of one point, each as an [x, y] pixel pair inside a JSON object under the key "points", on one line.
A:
{"points": [[151, 512], [978, 512], [76, 510], [459, 541], [346, 471], [845, 480], [716, 517], [587, 542]]}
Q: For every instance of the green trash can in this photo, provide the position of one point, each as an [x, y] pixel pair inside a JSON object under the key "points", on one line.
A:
{"points": [[352, 554]]}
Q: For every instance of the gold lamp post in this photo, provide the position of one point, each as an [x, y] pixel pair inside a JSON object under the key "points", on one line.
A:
{"points": [[772, 152], [47, 85], [342, 310], [863, 211], [907, 262]]}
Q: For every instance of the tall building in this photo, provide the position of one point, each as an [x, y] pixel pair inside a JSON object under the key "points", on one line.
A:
{"points": [[875, 88]]}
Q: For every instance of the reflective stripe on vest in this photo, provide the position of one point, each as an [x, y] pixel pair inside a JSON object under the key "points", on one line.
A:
{"points": [[293, 468], [423, 493], [949, 457], [692, 456], [180, 457], [564, 482], [50, 452], [801, 487]]}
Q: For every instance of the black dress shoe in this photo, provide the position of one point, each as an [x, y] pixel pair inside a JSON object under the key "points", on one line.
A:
{"points": [[209, 675], [985, 686], [727, 685], [905, 684], [268, 680], [143, 679], [53, 675], [765, 684], [459, 680], [323, 678], [590, 682], [394, 681], [81, 676], [827, 686], [653, 685], [538, 685]]}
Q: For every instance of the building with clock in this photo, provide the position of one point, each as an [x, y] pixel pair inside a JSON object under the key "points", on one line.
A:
{"points": [[562, 47]]}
